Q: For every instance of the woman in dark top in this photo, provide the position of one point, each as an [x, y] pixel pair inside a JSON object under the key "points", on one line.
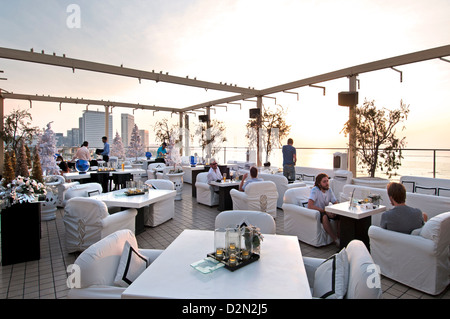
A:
{"points": [[62, 165]]}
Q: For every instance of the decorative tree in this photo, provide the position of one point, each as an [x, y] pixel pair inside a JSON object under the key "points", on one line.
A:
{"points": [[12, 157], [17, 128], [273, 129], [21, 165], [214, 139], [117, 148], [164, 133], [8, 171], [47, 152], [28, 152], [376, 129], [136, 148], [36, 171]]}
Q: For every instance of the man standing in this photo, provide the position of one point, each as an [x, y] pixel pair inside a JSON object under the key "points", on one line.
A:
{"points": [[105, 152], [289, 160]]}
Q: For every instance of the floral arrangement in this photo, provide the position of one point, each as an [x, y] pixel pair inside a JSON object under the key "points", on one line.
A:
{"points": [[20, 190], [252, 236]]}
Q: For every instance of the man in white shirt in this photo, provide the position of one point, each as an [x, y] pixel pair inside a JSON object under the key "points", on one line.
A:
{"points": [[83, 152], [214, 173]]}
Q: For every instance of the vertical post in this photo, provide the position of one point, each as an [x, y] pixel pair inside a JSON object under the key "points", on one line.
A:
{"points": [[208, 133], [434, 163], [258, 142], [107, 121], [352, 135], [2, 150], [187, 151], [180, 136]]}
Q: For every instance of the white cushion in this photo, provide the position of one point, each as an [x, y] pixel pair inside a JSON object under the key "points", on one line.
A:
{"points": [[131, 265], [331, 277], [431, 229]]}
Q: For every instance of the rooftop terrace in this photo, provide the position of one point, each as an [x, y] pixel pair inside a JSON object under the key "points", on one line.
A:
{"points": [[46, 278]]}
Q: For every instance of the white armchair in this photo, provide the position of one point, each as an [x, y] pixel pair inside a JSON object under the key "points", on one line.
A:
{"points": [[420, 260], [301, 221], [258, 196], [264, 221], [99, 266], [82, 190], [363, 280], [153, 168], [160, 211], [205, 192], [282, 185], [87, 221]]}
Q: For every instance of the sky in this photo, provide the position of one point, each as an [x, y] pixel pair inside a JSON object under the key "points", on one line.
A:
{"points": [[250, 43]]}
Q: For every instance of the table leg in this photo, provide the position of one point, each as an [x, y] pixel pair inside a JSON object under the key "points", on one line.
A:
{"points": [[139, 220], [352, 228], [225, 201]]}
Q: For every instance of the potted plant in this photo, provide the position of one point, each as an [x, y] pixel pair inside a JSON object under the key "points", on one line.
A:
{"points": [[20, 220]]}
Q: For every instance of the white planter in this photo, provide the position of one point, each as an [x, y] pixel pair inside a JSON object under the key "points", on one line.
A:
{"points": [[177, 180]]}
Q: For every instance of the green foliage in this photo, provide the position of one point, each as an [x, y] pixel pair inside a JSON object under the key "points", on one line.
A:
{"points": [[377, 144]]}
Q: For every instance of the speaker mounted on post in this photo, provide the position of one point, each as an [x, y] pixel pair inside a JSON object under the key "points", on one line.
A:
{"points": [[348, 98], [255, 113], [203, 118]]}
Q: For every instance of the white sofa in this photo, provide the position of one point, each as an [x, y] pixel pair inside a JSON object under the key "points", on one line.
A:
{"points": [[153, 168], [99, 265], [426, 185], [363, 280], [420, 260], [301, 221], [282, 185], [259, 196], [161, 211], [87, 220], [205, 192], [429, 204]]}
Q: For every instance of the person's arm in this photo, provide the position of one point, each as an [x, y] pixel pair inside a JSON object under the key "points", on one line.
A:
{"points": [[241, 184], [311, 205], [105, 149]]}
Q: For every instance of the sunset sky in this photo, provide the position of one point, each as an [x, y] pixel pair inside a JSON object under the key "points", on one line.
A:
{"points": [[256, 43]]}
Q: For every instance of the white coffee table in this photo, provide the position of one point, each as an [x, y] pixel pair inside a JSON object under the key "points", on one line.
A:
{"points": [[119, 199], [354, 221], [278, 274]]}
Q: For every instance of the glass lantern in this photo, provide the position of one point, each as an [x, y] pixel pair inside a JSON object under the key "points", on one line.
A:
{"points": [[220, 243], [233, 241]]}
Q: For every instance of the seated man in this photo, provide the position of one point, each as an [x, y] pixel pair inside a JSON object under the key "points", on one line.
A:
{"points": [[321, 195], [401, 218], [214, 174], [254, 178]]}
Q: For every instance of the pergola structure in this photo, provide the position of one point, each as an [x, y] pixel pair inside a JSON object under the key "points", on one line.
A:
{"points": [[241, 93]]}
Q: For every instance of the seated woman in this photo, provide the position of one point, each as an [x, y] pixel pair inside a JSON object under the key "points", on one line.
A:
{"points": [[62, 165]]}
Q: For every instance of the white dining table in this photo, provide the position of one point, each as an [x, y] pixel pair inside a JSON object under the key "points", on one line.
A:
{"points": [[118, 198], [278, 274]]}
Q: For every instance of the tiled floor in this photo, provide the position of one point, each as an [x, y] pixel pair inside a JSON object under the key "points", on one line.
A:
{"points": [[46, 278]]}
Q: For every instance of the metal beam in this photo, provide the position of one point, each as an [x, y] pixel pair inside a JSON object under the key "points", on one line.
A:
{"points": [[419, 56], [43, 98], [76, 64]]}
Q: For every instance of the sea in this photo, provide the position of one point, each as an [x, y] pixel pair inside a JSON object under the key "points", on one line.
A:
{"points": [[416, 162]]}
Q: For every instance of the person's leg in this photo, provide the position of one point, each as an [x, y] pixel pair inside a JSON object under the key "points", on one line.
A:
{"points": [[328, 228]]}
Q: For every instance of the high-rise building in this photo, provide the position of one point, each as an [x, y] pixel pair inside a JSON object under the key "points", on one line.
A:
{"points": [[127, 124], [144, 138], [93, 128]]}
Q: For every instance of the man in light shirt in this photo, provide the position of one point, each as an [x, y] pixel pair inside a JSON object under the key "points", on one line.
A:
{"points": [[83, 152], [214, 174]]}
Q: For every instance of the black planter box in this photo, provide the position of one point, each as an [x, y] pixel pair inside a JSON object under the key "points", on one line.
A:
{"points": [[20, 233]]}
